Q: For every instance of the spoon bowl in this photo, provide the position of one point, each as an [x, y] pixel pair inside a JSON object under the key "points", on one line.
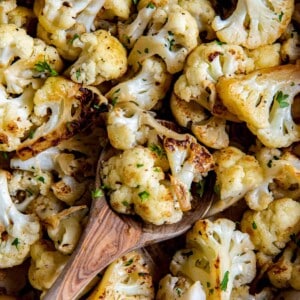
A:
{"points": [[109, 235]]}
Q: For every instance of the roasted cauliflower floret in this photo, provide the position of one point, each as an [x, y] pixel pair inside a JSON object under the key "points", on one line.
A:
{"points": [[64, 107], [65, 228], [14, 43], [102, 58], [290, 50], [6, 7], [204, 66], [217, 255], [264, 99], [204, 13], [15, 115], [128, 277], [17, 230], [116, 8], [237, 174], [254, 23], [179, 288], [284, 273], [43, 62], [146, 88], [173, 34], [56, 15], [281, 178], [271, 228], [136, 185], [45, 265]]}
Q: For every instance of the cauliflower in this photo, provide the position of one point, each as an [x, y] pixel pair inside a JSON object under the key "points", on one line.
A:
{"points": [[179, 288], [209, 130], [63, 107], [128, 277], [237, 174], [173, 34], [22, 17], [18, 230], [254, 23], [129, 33], [204, 66], [102, 58], [264, 99], [65, 228], [285, 271], [44, 61], [6, 7], [45, 265], [220, 257], [271, 228], [56, 15], [189, 162], [115, 8], [280, 178], [15, 118], [204, 13], [136, 185], [290, 50], [146, 88], [14, 43]]}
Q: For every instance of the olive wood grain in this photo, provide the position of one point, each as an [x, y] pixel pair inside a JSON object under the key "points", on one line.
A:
{"points": [[108, 236]]}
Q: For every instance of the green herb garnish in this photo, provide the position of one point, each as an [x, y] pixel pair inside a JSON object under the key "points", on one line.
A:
{"points": [[44, 67], [16, 243], [144, 195], [224, 282], [97, 193], [280, 97]]}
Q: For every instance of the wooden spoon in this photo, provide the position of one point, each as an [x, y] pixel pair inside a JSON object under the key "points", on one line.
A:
{"points": [[109, 235]]}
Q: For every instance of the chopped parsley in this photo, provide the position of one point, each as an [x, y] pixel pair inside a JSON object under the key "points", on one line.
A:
{"points": [[31, 134], [16, 243], [280, 16], [128, 262], [144, 195], [157, 149], [224, 282], [125, 203], [45, 68], [178, 291], [171, 41], [97, 193], [78, 74], [139, 165], [75, 36], [254, 226], [151, 5], [41, 179], [220, 43], [115, 97], [280, 97]]}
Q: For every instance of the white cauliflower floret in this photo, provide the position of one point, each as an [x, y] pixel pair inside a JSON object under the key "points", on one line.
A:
{"points": [[136, 185], [14, 43], [15, 118], [64, 107], [237, 174], [172, 36], [217, 255], [189, 162], [45, 265], [290, 49], [285, 272], [65, 228], [128, 277], [102, 58], [266, 56], [129, 33], [6, 7], [204, 13], [116, 8], [146, 88], [271, 228], [18, 231], [179, 288], [22, 17], [254, 23], [264, 99], [44, 61], [56, 15], [209, 130], [204, 66], [25, 186], [281, 178]]}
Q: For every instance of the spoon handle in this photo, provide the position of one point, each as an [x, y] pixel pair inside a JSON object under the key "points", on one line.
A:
{"points": [[105, 238]]}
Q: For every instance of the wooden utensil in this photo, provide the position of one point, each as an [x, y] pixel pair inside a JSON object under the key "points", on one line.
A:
{"points": [[108, 236]]}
